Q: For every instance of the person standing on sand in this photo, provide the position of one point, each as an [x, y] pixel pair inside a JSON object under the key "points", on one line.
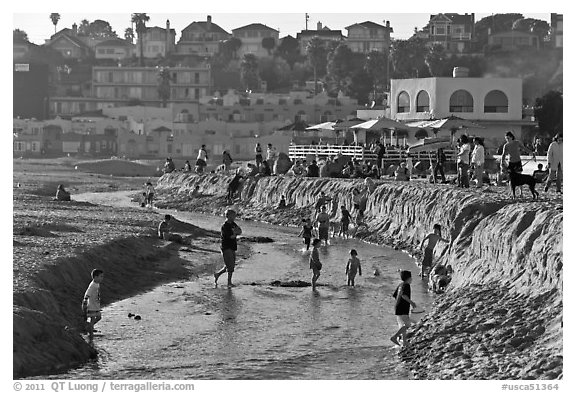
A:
{"points": [[463, 162], [315, 263], [555, 163], [149, 194], [402, 308], [91, 304], [432, 239], [228, 235], [258, 151], [323, 220], [512, 149], [352, 267], [201, 159], [478, 160]]}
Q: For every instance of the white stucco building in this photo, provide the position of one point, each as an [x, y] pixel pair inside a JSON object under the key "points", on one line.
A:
{"points": [[494, 103]]}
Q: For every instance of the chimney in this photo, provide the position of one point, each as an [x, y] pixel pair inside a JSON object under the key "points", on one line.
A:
{"points": [[388, 24], [319, 26], [209, 22], [75, 29], [168, 35], [460, 72]]}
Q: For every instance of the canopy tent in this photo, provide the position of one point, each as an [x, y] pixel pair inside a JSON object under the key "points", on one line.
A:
{"points": [[296, 126], [329, 125], [381, 123], [429, 144], [343, 125]]}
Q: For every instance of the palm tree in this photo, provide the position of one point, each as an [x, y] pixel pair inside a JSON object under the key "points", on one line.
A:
{"points": [[140, 19], [54, 17], [316, 56], [129, 35]]}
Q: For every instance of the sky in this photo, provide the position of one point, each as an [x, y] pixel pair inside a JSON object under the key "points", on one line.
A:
{"points": [[39, 27]]}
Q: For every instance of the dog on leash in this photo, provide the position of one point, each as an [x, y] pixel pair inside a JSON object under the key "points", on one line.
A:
{"points": [[518, 180]]}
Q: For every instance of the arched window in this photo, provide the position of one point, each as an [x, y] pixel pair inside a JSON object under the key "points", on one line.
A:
{"points": [[496, 102], [423, 102], [461, 101], [403, 102]]}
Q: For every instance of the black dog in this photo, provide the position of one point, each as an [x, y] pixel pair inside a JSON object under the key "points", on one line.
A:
{"points": [[518, 180]]}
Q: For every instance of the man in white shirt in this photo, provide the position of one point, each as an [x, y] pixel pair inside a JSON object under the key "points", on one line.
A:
{"points": [[478, 160], [555, 163]]}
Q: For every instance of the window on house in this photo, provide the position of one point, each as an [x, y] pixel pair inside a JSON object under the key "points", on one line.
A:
{"points": [[423, 102], [461, 101], [197, 77], [496, 102], [440, 30], [403, 102]]}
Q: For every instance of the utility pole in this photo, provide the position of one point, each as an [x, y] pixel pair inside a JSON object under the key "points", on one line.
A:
{"points": [[307, 17]]}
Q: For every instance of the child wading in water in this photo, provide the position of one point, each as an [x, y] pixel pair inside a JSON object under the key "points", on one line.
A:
{"points": [[432, 239], [91, 303], [352, 267], [306, 232], [402, 307], [315, 264], [344, 222]]}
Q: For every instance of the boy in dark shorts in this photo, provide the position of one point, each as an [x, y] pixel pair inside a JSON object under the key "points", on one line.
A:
{"points": [[344, 222], [306, 232], [228, 233], [402, 308], [432, 239], [91, 303]]}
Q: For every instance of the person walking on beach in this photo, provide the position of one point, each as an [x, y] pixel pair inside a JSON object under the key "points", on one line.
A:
{"points": [[555, 163], [439, 166], [512, 149], [432, 239], [228, 235], [91, 303], [352, 267], [258, 151], [463, 162], [306, 232], [149, 194], [478, 160], [271, 154], [226, 160], [201, 159], [315, 263], [344, 222], [322, 200], [323, 220], [402, 308]]}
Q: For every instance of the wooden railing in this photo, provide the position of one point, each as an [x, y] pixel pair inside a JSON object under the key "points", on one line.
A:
{"points": [[360, 153]]}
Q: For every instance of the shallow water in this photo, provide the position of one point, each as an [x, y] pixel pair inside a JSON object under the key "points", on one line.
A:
{"points": [[194, 330]]}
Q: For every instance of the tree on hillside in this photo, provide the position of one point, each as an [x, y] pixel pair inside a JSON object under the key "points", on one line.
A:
{"points": [[55, 17], [129, 35], [140, 19], [268, 43], [249, 72], [98, 29], [340, 67], [19, 36], [289, 50], [435, 60], [548, 111], [497, 23], [376, 66], [408, 58], [316, 53], [361, 87], [275, 72], [530, 25]]}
